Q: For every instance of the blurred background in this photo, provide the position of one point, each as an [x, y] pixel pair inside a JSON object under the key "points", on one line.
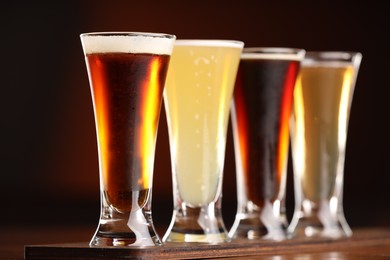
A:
{"points": [[49, 164]]}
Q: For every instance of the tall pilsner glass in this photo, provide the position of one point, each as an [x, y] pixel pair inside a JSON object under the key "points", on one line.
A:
{"points": [[127, 73], [322, 101], [197, 98], [260, 113]]}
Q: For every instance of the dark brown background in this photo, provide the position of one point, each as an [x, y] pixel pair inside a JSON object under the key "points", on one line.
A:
{"points": [[49, 167]]}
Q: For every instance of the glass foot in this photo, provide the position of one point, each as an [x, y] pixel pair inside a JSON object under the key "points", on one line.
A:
{"points": [[126, 240], [313, 227], [259, 224], [199, 224], [133, 228], [319, 220]]}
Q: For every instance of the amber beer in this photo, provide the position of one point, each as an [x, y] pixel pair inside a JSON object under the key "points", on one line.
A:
{"points": [[127, 76], [321, 103], [127, 106], [319, 126], [260, 119]]}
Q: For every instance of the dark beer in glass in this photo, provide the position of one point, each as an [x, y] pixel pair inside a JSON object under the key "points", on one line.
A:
{"points": [[127, 74], [260, 118]]}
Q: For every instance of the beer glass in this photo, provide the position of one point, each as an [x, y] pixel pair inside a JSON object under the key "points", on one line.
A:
{"points": [[127, 72], [197, 98], [260, 115], [322, 102]]}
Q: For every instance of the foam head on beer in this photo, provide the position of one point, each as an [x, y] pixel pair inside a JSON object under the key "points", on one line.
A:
{"points": [[273, 53], [127, 43]]}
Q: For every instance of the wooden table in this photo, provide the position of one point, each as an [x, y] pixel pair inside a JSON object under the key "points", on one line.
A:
{"points": [[71, 243]]}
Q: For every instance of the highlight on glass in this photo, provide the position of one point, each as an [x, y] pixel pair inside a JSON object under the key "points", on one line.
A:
{"points": [[127, 72]]}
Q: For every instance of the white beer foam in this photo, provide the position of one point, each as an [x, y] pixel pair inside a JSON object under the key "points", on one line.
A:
{"points": [[324, 64], [273, 54], [210, 43], [147, 43]]}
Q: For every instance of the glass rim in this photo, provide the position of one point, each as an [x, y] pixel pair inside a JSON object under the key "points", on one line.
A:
{"points": [[276, 53], [129, 33], [333, 57], [127, 42], [210, 42]]}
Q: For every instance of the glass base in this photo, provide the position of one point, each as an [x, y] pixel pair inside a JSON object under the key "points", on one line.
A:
{"points": [[199, 224], [313, 227], [259, 224], [134, 229], [253, 228], [319, 220], [123, 240], [199, 238]]}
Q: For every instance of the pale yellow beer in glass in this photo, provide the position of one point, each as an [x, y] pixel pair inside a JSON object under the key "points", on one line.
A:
{"points": [[197, 99], [322, 101]]}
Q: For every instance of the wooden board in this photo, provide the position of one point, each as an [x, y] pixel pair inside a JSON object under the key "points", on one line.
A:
{"points": [[361, 238]]}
